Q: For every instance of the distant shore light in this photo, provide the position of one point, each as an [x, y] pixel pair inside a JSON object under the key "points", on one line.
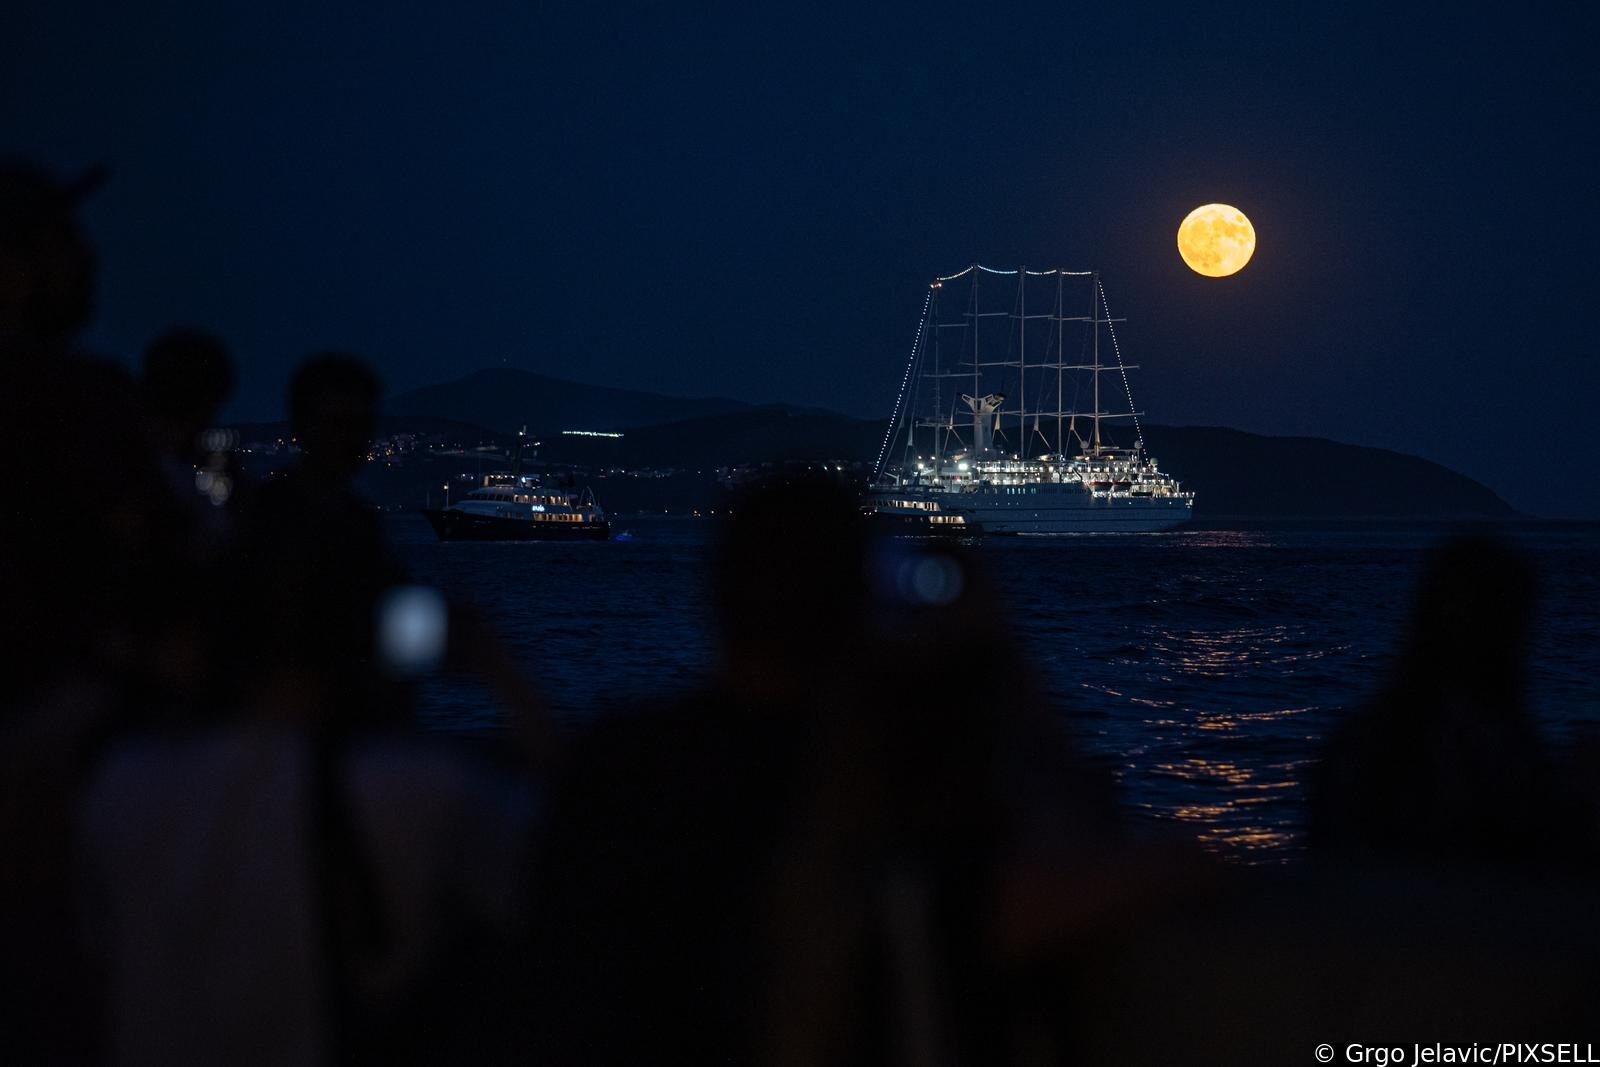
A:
{"points": [[588, 433]]}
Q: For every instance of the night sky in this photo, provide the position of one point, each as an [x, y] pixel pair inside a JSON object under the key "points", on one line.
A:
{"points": [[750, 202]]}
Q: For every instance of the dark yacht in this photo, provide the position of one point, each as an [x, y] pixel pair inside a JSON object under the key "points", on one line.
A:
{"points": [[913, 516], [520, 508]]}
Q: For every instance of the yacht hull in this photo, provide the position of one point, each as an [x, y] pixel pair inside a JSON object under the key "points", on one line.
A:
{"points": [[451, 525], [891, 524]]}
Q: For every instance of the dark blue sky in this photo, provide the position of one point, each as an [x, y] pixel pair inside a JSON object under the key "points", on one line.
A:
{"points": [[750, 201]]}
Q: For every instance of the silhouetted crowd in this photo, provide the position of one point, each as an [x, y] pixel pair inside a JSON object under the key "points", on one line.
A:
{"points": [[866, 837]]}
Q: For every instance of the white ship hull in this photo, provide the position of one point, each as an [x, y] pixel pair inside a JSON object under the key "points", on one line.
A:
{"points": [[1047, 509], [1070, 510]]}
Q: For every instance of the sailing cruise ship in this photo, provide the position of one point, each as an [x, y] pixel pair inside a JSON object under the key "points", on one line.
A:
{"points": [[991, 425]]}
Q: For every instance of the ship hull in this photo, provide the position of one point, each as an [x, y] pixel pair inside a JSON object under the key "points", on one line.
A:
{"points": [[892, 524], [1094, 516], [452, 525], [1050, 510]]}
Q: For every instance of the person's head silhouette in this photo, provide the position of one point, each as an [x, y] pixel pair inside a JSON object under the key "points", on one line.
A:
{"points": [[46, 262], [790, 582], [1470, 625], [187, 376], [333, 406]]}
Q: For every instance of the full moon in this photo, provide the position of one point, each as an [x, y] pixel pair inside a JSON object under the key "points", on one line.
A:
{"points": [[1216, 240]]}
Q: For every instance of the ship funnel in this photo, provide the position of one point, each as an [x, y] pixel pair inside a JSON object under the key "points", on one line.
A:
{"points": [[984, 417]]}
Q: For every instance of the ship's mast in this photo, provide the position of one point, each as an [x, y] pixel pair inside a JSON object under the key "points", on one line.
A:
{"points": [[1061, 352], [977, 368], [987, 408], [938, 379], [1094, 313]]}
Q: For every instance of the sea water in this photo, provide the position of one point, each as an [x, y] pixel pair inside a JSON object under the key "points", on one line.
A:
{"points": [[1204, 666]]}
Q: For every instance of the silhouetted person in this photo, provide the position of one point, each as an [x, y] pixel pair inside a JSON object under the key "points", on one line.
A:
{"points": [[87, 558], [46, 262], [313, 564], [1447, 765], [303, 878], [795, 864], [937, 798], [187, 377], [65, 417], [666, 825]]}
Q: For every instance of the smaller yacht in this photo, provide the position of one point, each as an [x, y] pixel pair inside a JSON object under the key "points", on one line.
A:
{"points": [[905, 515], [519, 507]]}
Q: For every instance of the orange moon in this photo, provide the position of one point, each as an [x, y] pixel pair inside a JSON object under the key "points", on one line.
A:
{"points": [[1216, 240]]}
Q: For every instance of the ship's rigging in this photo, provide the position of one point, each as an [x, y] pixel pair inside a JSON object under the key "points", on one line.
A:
{"points": [[955, 350]]}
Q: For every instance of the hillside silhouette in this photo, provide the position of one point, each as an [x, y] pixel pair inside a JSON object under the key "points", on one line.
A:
{"points": [[1235, 473], [1248, 474], [507, 398]]}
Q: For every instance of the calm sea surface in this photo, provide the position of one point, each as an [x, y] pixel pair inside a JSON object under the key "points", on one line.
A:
{"points": [[1204, 665]]}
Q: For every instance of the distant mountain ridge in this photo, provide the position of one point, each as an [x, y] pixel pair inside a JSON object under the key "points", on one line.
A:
{"points": [[1234, 473], [1248, 474], [508, 398]]}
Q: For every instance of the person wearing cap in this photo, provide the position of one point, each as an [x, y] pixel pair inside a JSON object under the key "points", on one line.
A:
{"points": [[46, 263], [84, 571]]}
